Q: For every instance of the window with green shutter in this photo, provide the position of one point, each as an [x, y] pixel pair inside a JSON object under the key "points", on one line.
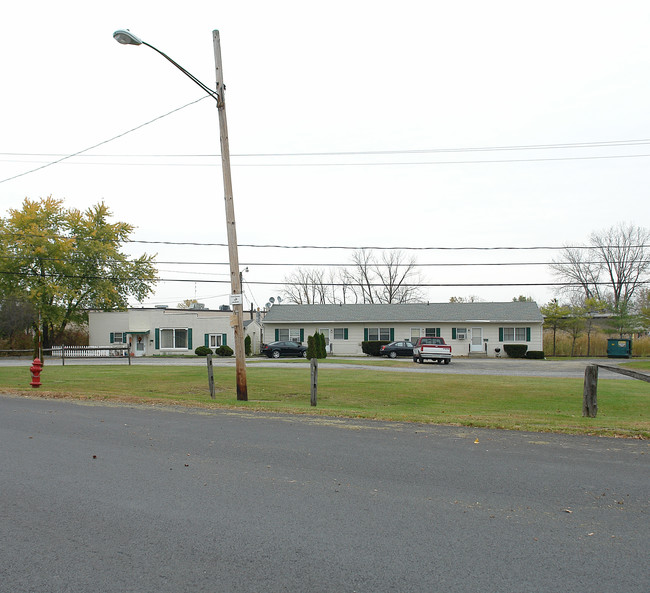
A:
{"points": [[514, 334], [340, 333]]}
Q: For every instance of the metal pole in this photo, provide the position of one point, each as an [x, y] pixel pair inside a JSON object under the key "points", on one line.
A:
{"points": [[235, 280]]}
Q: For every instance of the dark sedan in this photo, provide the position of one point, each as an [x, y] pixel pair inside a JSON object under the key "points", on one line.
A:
{"points": [[395, 349], [277, 349]]}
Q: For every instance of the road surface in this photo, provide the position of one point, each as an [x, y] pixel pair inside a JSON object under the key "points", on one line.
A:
{"points": [[114, 498]]}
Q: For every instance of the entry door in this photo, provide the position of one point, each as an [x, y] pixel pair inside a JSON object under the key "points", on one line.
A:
{"points": [[477, 339], [140, 345]]}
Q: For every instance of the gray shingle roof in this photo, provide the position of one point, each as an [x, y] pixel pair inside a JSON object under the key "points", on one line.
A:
{"points": [[509, 312]]}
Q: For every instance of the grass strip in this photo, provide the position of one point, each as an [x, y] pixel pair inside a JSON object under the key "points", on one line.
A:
{"points": [[519, 403]]}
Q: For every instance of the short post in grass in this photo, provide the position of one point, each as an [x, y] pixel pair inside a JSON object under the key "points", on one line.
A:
{"points": [[590, 392], [210, 375], [314, 380]]}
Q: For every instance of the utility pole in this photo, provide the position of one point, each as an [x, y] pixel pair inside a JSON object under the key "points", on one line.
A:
{"points": [[236, 297]]}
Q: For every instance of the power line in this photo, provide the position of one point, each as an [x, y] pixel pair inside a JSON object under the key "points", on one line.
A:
{"points": [[64, 158], [330, 284], [557, 146], [331, 264], [326, 247], [348, 164]]}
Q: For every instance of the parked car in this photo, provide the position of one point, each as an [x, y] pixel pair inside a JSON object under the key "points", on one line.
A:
{"points": [[395, 349], [277, 349], [432, 349]]}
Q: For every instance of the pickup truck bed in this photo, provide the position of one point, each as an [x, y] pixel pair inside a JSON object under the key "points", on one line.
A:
{"points": [[432, 349]]}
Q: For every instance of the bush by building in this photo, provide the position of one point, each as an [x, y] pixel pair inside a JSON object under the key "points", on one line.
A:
{"points": [[373, 347], [515, 350], [224, 351]]}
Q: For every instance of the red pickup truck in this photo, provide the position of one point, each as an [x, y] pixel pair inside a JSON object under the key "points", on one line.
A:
{"points": [[432, 349]]}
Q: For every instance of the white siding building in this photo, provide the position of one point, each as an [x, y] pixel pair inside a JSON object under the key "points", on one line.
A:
{"points": [[468, 327], [161, 331]]}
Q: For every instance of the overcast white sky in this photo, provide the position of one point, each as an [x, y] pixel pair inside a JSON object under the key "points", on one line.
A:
{"points": [[336, 77]]}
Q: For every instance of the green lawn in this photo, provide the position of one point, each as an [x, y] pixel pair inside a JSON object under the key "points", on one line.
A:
{"points": [[523, 403]]}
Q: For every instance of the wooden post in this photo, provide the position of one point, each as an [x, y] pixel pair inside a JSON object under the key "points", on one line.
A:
{"points": [[314, 380], [590, 393], [235, 279], [210, 375], [62, 356]]}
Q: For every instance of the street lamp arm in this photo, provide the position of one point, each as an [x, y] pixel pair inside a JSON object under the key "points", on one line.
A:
{"points": [[127, 38]]}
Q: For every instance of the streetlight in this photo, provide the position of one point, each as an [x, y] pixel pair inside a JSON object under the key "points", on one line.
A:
{"points": [[127, 38]]}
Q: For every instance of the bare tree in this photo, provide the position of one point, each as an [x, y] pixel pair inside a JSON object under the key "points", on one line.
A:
{"points": [[391, 278], [307, 286], [614, 267]]}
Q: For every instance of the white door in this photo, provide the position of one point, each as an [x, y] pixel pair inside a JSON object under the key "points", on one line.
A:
{"points": [[140, 345], [477, 339]]}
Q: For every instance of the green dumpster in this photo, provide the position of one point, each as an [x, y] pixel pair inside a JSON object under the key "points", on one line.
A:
{"points": [[619, 348]]}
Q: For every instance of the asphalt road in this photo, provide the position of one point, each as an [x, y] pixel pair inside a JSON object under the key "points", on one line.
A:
{"points": [[97, 498]]}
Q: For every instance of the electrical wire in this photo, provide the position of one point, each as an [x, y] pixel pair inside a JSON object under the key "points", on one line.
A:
{"points": [[326, 247], [331, 264], [559, 146], [155, 119], [331, 284]]}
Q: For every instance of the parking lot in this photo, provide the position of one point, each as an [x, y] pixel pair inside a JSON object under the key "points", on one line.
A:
{"points": [[459, 366]]}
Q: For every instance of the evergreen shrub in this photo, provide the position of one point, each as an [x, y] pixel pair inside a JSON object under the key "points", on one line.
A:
{"points": [[311, 350], [373, 347], [202, 351], [515, 350], [224, 351]]}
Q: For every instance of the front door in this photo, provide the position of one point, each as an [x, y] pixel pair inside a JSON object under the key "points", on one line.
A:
{"points": [[477, 339], [140, 345]]}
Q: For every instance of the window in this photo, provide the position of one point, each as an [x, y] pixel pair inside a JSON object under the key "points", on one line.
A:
{"points": [[458, 333], [432, 332], [514, 334], [118, 338], [379, 333], [415, 334], [173, 338], [288, 335], [214, 340], [340, 333]]}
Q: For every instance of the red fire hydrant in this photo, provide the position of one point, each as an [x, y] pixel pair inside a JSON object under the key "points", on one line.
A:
{"points": [[36, 369]]}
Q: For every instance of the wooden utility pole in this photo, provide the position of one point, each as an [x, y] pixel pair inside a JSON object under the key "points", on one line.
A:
{"points": [[235, 279], [590, 392], [314, 381]]}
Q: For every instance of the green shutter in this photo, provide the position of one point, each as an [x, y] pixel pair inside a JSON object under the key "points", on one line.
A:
{"points": [[277, 335], [392, 334], [453, 333], [124, 338], [527, 334], [206, 340], [157, 339], [345, 333], [500, 334], [302, 335], [365, 334], [112, 338], [189, 338], [224, 339]]}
